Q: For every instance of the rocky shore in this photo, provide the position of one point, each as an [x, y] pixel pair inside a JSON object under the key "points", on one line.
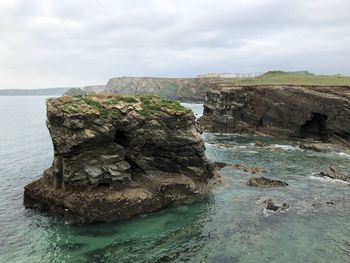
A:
{"points": [[321, 113], [119, 156]]}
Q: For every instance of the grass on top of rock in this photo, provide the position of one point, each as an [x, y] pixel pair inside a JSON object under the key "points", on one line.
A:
{"points": [[153, 104], [103, 103]]}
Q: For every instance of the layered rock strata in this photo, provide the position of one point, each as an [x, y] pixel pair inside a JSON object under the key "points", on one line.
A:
{"points": [[317, 112], [118, 156]]}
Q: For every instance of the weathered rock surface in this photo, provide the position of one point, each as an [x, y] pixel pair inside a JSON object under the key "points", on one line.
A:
{"points": [[265, 182], [119, 156], [316, 112]]}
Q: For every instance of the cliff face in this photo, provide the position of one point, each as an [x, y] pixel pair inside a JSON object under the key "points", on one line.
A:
{"points": [[322, 113], [187, 90], [119, 156], [94, 89]]}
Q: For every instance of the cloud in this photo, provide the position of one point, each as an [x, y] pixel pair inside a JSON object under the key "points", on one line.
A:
{"points": [[46, 43]]}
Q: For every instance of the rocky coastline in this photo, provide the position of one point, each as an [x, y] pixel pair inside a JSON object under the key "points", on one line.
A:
{"points": [[119, 156], [319, 113]]}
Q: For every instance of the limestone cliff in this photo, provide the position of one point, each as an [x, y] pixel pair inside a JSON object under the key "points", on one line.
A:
{"points": [[182, 89], [118, 156], [318, 112]]}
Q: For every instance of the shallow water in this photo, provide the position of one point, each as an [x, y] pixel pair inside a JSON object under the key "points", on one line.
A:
{"points": [[229, 226]]}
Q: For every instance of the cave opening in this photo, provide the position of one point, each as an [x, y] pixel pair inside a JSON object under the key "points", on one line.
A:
{"points": [[121, 138], [316, 127], [207, 110]]}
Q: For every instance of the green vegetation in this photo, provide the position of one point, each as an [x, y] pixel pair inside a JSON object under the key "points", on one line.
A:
{"points": [[153, 104], [115, 99], [97, 105], [103, 103], [305, 78]]}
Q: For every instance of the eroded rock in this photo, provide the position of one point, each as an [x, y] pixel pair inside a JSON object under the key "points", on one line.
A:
{"points": [[119, 156]]}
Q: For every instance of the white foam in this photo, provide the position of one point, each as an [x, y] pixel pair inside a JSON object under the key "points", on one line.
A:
{"points": [[328, 180], [267, 212], [286, 147], [344, 155]]}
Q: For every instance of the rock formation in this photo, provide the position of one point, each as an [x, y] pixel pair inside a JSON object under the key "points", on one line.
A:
{"points": [[118, 156], [318, 112]]}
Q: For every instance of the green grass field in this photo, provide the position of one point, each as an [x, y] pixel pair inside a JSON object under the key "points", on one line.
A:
{"points": [[280, 77]]}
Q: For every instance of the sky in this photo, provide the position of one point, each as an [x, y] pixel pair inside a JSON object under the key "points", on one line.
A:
{"points": [[51, 43]]}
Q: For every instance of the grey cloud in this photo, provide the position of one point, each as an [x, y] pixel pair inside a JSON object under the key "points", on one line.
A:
{"points": [[54, 43]]}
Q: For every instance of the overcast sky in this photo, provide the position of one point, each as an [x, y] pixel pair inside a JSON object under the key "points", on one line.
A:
{"points": [[51, 43]]}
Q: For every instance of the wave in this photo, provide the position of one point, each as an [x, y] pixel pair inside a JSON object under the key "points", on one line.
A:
{"points": [[342, 154], [286, 147], [327, 179]]}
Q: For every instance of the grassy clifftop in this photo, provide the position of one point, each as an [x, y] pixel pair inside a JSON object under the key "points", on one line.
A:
{"points": [[280, 78], [113, 105]]}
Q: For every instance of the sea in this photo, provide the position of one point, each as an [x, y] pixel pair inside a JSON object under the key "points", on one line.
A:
{"points": [[231, 225]]}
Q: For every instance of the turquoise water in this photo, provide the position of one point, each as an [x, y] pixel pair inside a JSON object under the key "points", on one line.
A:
{"points": [[229, 226]]}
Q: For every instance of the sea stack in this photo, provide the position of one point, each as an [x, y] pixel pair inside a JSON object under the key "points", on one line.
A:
{"points": [[119, 156]]}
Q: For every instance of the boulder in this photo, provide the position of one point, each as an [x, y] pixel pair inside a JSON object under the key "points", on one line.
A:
{"points": [[265, 182], [119, 156]]}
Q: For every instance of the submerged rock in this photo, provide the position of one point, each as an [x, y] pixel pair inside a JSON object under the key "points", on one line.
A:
{"points": [[261, 144], [265, 182], [316, 147], [119, 156], [335, 173], [273, 206], [251, 170]]}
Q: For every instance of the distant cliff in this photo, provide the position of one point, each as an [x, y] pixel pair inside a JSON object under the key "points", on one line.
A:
{"points": [[183, 89], [33, 92], [85, 90]]}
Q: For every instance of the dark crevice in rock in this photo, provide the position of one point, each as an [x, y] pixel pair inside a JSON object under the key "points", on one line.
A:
{"points": [[121, 138]]}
